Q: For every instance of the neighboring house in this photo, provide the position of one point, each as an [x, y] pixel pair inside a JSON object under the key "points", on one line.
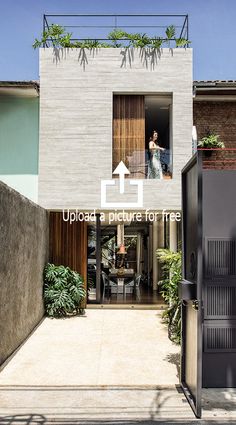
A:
{"points": [[214, 109], [19, 136]]}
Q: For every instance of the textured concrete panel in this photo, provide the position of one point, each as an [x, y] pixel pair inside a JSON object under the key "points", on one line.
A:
{"points": [[24, 252], [76, 120]]}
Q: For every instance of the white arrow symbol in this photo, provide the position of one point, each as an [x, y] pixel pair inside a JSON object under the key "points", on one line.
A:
{"points": [[121, 169]]}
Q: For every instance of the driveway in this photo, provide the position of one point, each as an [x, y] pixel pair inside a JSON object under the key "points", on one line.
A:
{"points": [[112, 366], [106, 347]]}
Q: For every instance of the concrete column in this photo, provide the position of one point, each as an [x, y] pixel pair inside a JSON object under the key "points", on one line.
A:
{"points": [[161, 242], [120, 234], [138, 252], [154, 255], [173, 236], [150, 248]]}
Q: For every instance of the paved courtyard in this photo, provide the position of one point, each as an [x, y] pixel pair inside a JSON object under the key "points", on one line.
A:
{"points": [[112, 366], [106, 347], [109, 365]]}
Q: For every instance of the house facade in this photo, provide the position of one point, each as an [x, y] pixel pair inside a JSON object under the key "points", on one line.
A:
{"points": [[87, 106], [99, 110]]}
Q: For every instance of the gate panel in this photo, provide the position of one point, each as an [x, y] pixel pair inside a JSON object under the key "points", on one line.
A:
{"points": [[219, 236], [191, 288]]}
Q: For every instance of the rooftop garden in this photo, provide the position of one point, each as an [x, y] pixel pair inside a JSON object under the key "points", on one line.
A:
{"points": [[118, 38], [156, 34]]}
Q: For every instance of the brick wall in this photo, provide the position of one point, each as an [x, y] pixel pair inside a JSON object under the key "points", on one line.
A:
{"points": [[218, 117]]}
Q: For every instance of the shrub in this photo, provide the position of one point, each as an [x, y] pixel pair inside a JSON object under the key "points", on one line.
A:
{"points": [[211, 141], [63, 291], [172, 274]]}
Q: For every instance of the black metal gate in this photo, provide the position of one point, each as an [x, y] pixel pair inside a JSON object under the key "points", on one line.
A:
{"points": [[208, 289], [191, 286]]}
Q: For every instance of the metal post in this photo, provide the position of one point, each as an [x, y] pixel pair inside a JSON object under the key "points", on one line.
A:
{"points": [[187, 28], [98, 259], [43, 27]]}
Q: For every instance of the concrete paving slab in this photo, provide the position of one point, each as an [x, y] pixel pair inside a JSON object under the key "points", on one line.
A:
{"points": [[94, 404], [107, 347], [219, 403], [110, 367]]}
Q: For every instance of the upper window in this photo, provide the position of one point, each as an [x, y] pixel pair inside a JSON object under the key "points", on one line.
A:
{"points": [[141, 135]]}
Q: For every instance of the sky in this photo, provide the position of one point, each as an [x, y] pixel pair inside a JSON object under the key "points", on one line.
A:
{"points": [[212, 31]]}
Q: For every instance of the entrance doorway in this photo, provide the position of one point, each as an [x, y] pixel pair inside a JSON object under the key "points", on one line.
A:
{"points": [[126, 270]]}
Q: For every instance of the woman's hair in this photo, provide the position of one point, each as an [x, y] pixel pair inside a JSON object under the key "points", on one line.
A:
{"points": [[153, 131]]}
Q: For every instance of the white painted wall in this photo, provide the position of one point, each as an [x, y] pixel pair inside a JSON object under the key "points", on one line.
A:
{"points": [[76, 96], [26, 184]]}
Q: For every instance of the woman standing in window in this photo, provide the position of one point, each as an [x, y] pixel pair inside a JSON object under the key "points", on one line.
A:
{"points": [[154, 165]]}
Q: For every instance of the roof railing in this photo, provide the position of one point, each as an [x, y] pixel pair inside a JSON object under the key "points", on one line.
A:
{"points": [[96, 26]]}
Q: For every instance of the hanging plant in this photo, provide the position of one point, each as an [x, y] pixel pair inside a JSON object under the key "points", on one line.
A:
{"points": [[118, 38], [157, 42]]}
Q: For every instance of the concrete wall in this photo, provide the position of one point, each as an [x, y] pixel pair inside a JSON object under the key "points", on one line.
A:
{"points": [[76, 95], [24, 252], [19, 140]]}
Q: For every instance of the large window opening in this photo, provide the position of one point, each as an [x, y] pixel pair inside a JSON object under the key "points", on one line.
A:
{"points": [[122, 262], [157, 118], [142, 136]]}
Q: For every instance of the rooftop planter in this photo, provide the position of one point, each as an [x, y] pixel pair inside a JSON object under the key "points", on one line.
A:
{"points": [[118, 38]]}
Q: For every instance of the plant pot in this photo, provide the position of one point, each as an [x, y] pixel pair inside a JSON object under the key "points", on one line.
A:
{"points": [[207, 153]]}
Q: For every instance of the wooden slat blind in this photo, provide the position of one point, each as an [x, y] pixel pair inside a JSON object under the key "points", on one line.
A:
{"points": [[68, 243], [129, 133]]}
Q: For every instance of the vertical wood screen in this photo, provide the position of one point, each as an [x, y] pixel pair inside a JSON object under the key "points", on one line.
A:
{"points": [[68, 244], [129, 133]]}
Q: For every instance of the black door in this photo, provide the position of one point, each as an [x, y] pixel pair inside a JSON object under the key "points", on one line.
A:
{"points": [[191, 288]]}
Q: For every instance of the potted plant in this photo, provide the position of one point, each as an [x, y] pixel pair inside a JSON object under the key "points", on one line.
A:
{"points": [[211, 141]]}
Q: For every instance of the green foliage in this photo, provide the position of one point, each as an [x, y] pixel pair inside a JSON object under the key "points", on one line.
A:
{"points": [[211, 141], [58, 36], [63, 291], [182, 42], [172, 273], [157, 42], [139, 40], [170, 32], [116, 35]]}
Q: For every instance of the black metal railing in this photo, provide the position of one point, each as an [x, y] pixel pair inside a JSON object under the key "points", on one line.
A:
{"points": [[97, 26]]}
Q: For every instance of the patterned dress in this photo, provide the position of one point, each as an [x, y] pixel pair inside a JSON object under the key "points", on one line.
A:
{"points": [[154, 166]]}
